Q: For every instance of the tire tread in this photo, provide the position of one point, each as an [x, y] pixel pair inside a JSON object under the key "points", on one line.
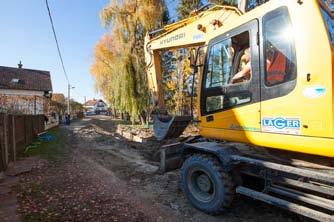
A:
{"points": [[226, 179]]}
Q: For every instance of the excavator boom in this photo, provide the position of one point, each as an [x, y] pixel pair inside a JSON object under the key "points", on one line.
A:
{"points": [[191, 32]]}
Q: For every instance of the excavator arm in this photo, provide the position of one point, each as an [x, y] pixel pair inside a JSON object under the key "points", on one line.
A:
{"points": [[192, 32]]}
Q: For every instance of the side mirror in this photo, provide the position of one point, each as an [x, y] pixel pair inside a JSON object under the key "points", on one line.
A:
{"points": [[191, 86], [201, 54], [193, 57], [197, 56]]}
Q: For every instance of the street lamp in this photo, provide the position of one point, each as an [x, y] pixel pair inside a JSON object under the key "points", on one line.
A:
{"points": [[69, 99]]}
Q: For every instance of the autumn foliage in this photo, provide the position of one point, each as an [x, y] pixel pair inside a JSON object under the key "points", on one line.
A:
{"points": [[119, 66]]}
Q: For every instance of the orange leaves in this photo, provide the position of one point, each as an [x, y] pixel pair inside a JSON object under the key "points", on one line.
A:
{"points": [[151, 12], [119, 57]]}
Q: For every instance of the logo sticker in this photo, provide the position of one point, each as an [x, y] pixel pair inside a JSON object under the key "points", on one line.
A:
{"points": [[281, 125], [173, 38], [314, 92], [246, 128], [198, 37]]}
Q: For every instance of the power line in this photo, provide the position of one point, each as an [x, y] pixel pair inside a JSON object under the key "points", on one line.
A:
{"points": [[78, 93], [55, 37]]}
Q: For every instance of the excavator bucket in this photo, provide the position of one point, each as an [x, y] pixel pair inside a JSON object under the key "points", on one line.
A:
{"points": [[169, 127]]}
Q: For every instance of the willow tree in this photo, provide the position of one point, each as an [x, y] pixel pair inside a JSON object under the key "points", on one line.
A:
{"points": [[225, 2], [120, 72], [102, 69], [185, 7]]}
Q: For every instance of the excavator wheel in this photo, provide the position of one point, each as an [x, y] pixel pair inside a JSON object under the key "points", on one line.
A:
{"points": [[169, 127], [206, 185]]}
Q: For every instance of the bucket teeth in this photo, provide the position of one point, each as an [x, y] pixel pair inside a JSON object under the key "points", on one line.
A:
{"points": [[169, 127]]}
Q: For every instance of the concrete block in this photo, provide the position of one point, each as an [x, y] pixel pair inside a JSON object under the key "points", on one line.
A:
{"points": [[128, 135], [137, 139]]}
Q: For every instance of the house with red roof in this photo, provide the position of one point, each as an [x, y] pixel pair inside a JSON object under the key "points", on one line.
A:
{"points": [[25, 91]]}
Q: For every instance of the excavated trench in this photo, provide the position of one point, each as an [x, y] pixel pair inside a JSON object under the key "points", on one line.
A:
{"points": [[136, 164]]}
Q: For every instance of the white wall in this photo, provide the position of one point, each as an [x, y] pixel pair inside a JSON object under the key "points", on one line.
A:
{"points": [[23, 102], [21, 92]]}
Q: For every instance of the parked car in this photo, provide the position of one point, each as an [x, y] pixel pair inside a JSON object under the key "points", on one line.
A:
{"points": [[90, 113]]}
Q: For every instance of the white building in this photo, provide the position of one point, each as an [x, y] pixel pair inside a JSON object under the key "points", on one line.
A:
{"points": [[96, 106], [25, 91]]}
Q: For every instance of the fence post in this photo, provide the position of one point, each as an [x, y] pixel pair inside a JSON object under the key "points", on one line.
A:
{"points": [[6, 145], [25, 130], [14, 138], [2, 144], [4, 158]]}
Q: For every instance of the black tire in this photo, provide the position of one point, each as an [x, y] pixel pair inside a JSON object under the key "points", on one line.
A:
{"points": [[206, 185]]}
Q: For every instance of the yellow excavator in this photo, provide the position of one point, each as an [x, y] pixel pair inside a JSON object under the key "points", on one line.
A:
{"points": [[265, 105]]}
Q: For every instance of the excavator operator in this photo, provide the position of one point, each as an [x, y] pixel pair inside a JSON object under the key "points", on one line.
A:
{"points": [[246, 72]]}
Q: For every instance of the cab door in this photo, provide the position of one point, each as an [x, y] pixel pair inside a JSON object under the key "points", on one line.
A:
{"points": [[226, 103], [297, 74]]}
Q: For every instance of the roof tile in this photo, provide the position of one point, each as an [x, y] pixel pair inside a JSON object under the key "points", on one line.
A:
{"points": [[29, 79]]}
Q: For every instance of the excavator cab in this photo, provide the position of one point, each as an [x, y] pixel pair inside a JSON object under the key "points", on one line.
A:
{"points": [[285, 101], [263, 81]]}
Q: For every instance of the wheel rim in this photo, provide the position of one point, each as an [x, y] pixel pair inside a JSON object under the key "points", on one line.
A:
{"points": [[201, 185]]}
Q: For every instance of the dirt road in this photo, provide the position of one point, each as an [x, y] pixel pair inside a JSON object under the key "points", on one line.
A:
{"points": [[100, 176]]}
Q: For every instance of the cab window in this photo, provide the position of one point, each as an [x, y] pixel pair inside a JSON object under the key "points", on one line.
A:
{"points": [[327, 9], [229, 65], [280, 59], [228, 62], [220, 64], [251, 4]]}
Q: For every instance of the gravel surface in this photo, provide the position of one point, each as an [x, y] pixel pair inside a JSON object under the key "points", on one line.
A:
{"points": [[102, 177]]}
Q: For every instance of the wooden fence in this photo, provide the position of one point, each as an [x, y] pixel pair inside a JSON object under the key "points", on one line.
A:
{"points": [[16, 132]]}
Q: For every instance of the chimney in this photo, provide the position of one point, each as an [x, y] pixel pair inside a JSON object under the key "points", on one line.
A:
{"points": [[20, 65]]}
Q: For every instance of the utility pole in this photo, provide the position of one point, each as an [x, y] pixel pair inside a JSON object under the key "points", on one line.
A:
{"points": [[68, 99]]}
